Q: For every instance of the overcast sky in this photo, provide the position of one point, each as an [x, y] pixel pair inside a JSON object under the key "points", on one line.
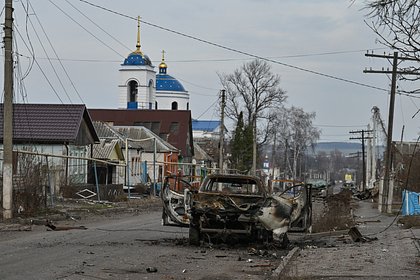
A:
{"points": [[325, 36]]}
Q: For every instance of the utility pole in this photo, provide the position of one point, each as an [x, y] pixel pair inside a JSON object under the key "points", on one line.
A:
{"points": [[221, 130], [388, 190], [8, 112], [254, 142], [363, 138], [356, 155]]}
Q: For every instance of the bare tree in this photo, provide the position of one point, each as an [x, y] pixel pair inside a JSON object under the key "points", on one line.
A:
{"points": [[397, 23], [254, 90], [296, 133]]}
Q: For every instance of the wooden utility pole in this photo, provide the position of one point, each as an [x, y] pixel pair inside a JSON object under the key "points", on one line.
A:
{"points": [[222, 132], [8, 112], [254, 142], [387, 192], [363, 138]]}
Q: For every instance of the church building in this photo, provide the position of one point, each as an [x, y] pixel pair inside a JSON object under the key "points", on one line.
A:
{"points": [[156, 101], [141, 87]]}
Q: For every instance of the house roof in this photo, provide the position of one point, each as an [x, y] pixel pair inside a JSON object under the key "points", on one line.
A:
{"points": [[105, 149], [205, 125], [173, 126], [142, 133], [106, 131], [51, 124], [200, 154]]}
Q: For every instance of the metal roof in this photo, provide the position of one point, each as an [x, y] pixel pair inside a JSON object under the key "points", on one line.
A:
{"points": [[205, 125], [173, 126], [143, 137], [105, 148], [51, 124]]}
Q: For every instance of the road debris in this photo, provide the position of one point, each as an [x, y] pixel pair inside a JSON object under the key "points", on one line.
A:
{"points": [[151, 269], [15, 227], [356, 236], [59, 228]]}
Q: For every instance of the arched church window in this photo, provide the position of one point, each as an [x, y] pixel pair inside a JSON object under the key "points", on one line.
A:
{"points": [[133, 90], [188, 105], [174, 105], [156, 105]]}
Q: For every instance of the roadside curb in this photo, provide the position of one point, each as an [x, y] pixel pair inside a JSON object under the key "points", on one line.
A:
{"points": [[285, 261]]}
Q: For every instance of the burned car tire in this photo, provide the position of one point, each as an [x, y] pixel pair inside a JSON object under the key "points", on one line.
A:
{"points": [[194, 236]]}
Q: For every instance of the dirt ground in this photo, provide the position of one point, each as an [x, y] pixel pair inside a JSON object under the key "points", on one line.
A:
{"points": [[387, 249], [122, 241], [328, 253]]}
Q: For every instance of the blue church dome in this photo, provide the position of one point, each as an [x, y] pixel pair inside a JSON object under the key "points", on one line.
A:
{"points": [[168, 83], [136, 58]]}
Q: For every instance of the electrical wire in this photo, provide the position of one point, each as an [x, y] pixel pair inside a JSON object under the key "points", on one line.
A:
{"points": [[328, 125], [237, 50], [208, 108], [57, 56], [404, 188], [98, 26], [81, 26], [31, 51], [50, 62]]}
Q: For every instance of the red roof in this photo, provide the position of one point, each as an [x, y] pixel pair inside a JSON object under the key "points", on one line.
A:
{"points": [[173, 126]]}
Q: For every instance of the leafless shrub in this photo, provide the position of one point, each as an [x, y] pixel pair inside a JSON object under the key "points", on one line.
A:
{"points": [[30, 184]]}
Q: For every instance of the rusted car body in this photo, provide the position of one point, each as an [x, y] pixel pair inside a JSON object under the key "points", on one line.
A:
{"points": [[229, 206]]}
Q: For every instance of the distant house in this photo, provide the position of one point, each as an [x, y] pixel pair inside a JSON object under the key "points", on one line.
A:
{"points": [[205, 129], [173, 126], [56, 130], [207, 135]]}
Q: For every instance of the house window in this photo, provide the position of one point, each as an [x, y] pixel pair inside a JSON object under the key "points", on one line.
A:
{"points": [[133, 90], [174, 105]]}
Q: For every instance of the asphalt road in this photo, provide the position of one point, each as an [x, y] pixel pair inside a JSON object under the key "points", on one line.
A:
{"points": [[126, 247]]}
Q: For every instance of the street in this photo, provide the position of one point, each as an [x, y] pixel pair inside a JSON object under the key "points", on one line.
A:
{"points": [[126, 247]]}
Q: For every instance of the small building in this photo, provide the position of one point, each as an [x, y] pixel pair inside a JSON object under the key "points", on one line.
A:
{"points": [[52, 133], [206, 129], [148, 157], [172, 126]]}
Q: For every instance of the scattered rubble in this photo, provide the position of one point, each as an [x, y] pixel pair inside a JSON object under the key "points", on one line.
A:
{"points": [[356, 236]]}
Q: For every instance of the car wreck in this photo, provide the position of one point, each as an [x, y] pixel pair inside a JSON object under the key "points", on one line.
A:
{"points": [[235, 206]]}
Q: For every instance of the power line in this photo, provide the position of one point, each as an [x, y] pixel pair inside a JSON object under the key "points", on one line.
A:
{"points": [[81, 26], [98, 26], [201, 60], [236, 50], [56, 55], [211, 106], [329, 125]]}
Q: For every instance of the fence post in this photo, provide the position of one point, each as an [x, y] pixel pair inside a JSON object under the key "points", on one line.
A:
{"points": [[96, 180], [49, 183]]}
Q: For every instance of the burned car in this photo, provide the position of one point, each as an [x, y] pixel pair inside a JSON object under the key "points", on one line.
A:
{"points": [[172, 194], [237, 206]]}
